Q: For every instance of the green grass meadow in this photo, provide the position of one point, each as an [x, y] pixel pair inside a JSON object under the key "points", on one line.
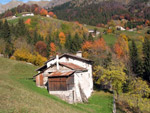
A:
{"points": [[19, 94]]}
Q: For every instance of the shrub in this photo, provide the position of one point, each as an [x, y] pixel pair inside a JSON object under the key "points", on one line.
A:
{"points": [[25, 55]]}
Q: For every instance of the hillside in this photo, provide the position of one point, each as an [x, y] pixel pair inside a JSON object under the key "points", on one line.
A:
{"points": [[88, 2], [49, 26], [40, 37], [42, 3], [89, 13], [10, 5], [54, 3], [97, 12], [19, 93], [118, 44]]}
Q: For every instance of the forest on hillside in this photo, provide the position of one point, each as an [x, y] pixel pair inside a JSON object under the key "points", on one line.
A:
{"points": [[124, 65], [103, 12], [34, 41]]}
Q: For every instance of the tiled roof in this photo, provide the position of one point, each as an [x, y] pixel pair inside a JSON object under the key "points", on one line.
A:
{"points": [[73, 66], [60, 73]]}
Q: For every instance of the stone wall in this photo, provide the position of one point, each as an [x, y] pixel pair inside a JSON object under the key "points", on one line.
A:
{"points": [[67, 96]]}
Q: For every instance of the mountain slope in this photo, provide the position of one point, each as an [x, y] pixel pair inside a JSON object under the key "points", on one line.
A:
{"points": [[97, 12], [54, 3], [10, 5], [39, 3], [92, 14], [20, 95], [42, 3], [88, 2]]}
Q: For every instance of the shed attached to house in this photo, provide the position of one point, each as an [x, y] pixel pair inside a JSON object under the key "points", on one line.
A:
{"points": [[61, 81]]}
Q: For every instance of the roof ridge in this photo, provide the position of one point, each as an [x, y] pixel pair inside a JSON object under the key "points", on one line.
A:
{"points": [[79, 58]]}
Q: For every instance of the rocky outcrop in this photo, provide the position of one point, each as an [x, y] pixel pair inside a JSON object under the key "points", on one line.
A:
{"points": [[10, 5], [42, 3]]}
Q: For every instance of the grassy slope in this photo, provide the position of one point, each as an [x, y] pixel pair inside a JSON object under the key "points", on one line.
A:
{"points": [[19, 94], [49, 26], [72, 27], [111, 38]]}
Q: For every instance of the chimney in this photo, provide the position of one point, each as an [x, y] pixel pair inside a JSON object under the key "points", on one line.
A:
{"points": [[57, 62], [79, 54]]}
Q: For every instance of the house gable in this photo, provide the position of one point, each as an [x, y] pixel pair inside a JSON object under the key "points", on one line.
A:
{"points": [[65, 57]]}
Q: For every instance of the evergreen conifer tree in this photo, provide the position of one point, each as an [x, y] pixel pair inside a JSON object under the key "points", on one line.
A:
{"points": [[29, 39], [39, 38], [146, 58], [1, 25], [7, 38], [136, 63], [48, 41], [76, 43], [35, 37], [68, 42], [90, 37], [1, 28], [84, 37], [21, 28], [6, 32], [57, 41]]}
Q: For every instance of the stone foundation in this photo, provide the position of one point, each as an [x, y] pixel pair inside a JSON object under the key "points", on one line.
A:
{"points": [[67, 96]]}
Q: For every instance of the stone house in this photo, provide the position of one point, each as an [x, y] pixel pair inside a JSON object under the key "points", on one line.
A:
{"points": [[27, 14], [94, 33], [120, 28], [68, 77]]}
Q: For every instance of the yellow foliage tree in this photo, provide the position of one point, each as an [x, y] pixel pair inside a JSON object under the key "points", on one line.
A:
{"points": [[62, 39], [124, 37], [113, 75], [24, 55], [138, 94], [39, 60]]}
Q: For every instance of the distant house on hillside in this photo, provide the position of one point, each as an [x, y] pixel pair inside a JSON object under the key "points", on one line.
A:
{"points": [[48, 16], [93, 32], [120, 28], [133, 29], [13, 17], [28, 14], [68, 77]]}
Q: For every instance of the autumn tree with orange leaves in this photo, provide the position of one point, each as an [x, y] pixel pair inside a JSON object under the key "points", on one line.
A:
{"points": [[121, 47], [51, 14], [43, 12], [87, 45], [52, 49], [118, 50], [62, 39], [97, 50], [28, 21]]}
